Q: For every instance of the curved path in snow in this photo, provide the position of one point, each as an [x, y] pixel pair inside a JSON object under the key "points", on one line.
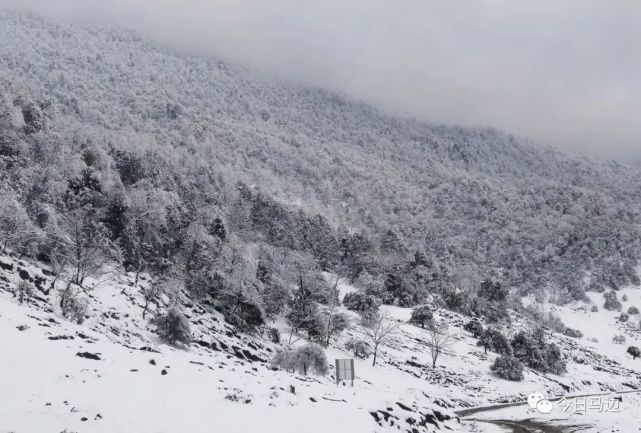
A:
{"points": [[529, 425]]}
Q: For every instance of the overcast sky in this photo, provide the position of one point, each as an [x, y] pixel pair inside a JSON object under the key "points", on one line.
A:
{"points": [[563, 72]]}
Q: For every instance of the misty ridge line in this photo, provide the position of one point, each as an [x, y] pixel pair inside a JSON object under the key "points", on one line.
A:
{"points": [[563, 75]]}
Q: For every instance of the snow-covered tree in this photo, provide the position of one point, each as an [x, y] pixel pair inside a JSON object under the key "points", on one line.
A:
{"points": [[508, 367], [438, 342], [422, 316], [380, 329], [173, 327]]}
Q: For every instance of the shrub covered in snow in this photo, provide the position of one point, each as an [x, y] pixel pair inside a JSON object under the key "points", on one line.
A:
{"points": [[623, 317], [72, 306], [493, 340], [633, 310], [618, 339], [359, 348], [554, 361], [611, 301], [23, 291], [474, 327], [308, 358], [284, 359], [274, 335], [534, 351], [244, 314], [311, 357], [634, 352], [173, 327], [361, 302], [422, 316], [571, 332], [508, 367]]}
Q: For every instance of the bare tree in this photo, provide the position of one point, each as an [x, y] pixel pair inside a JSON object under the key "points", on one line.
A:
{"points": [[438, 342], [82, 249], [168, 285], [380, 328], [16, 229], [335, 321], [145, 214]]}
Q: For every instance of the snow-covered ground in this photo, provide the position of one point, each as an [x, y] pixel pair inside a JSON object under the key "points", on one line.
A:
{"points": [[224, 381]]}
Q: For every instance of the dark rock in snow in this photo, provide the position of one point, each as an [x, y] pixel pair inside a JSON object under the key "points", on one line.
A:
{"points": [[88, 355], [61, 337], [163, 372], [24, 275]]}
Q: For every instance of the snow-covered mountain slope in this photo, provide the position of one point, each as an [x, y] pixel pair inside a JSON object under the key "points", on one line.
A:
{"points": [[470, 198], [111, 373]]}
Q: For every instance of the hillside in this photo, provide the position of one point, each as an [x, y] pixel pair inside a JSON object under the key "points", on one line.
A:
{"points": [[112, 374], [473, 201]]}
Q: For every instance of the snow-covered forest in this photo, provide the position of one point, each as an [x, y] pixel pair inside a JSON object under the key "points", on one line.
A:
{"points": [[202, 185]]}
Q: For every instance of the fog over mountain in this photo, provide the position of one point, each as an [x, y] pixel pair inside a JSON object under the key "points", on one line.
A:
{"points": [[564, 74]]}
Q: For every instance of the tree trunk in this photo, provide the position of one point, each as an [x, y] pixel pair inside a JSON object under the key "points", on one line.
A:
{"points": [[329, 334], [375, 353]]}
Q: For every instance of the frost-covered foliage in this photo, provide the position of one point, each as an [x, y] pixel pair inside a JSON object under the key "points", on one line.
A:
{"points": [[619, 339], [23, 291], [149, 159], [474, 327], [508, 367], [534, 351], [493, 340], [274, 335], [173, 327], [361, 302], [359, 348], [72, 306], [304, 359], [422, 316], [611, 302]]}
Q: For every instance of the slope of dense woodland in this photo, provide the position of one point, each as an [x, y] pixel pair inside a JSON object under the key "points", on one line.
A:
{"points": [[198, 172]]}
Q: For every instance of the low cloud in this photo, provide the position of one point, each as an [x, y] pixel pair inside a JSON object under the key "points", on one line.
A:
{"points": [[565, 73]]}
